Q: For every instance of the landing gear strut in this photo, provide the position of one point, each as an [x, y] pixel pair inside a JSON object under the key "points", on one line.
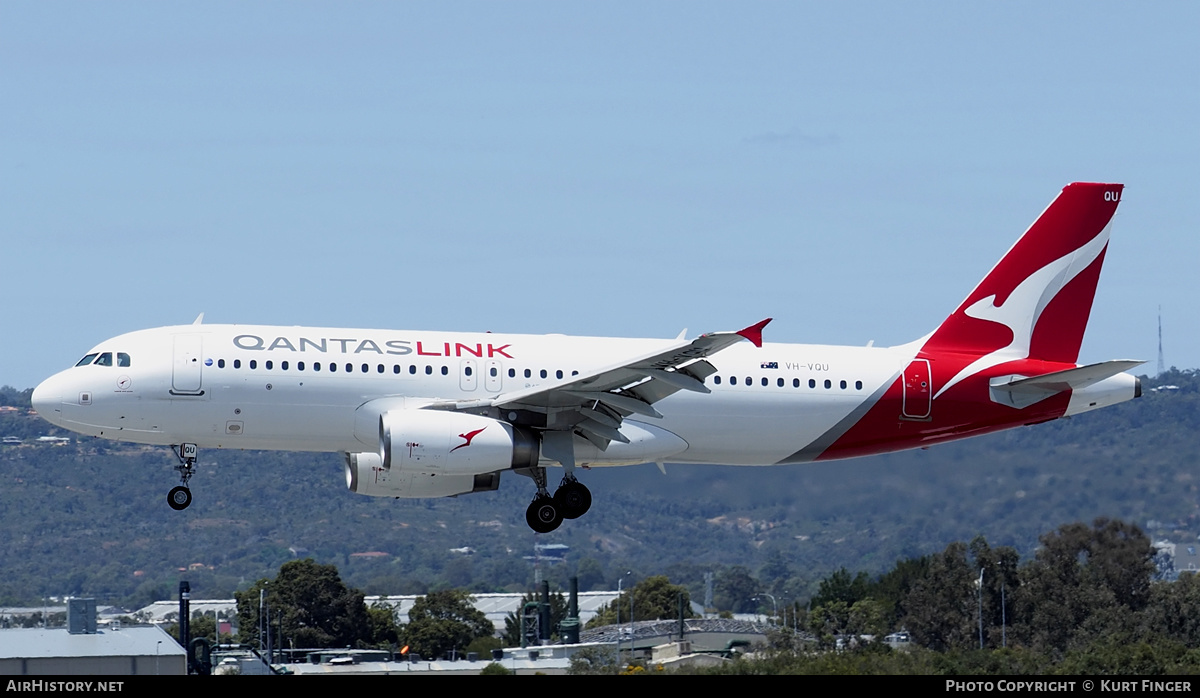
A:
{"points": [[180, 497], [543, 514], [571, 500]]}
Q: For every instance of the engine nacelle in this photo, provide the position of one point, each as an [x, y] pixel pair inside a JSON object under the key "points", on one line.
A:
{"points": [[452, 443], [365, 475]]}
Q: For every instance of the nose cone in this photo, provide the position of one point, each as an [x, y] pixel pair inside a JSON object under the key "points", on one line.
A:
{"points": [[47, 399]]}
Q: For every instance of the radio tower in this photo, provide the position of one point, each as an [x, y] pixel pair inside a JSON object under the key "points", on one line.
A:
{"points": [[1161, 366]]}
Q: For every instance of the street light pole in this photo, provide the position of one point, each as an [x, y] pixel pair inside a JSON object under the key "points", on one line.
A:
{"points": [[980, 585]]}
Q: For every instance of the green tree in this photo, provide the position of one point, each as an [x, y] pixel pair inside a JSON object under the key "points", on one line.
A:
{"points": [[1172, 611], [841, 586], [1086, 584], [591, 574], [315, 608], [735, 590], [598, 659], [384, 631], [653, 598], [442, 621], [941, 605]]}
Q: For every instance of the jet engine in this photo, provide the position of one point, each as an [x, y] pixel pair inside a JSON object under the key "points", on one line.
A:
{"points": [[426, 453]]}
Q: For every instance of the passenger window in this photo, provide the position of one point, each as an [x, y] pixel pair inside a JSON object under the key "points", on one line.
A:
{"points": [[104, 359], [396, 369], [764, 381], [843, 385], [429, 370], [795, 382], [253, 363], [270, 365], [780, 382], [316, 365], [858, 385], [283, 365], [528, 373], [122, 359], [467, 370], [812, 383], [543, 373], [237, 363], [332, 367], [445, 371], [299, 365], [512, 373], [717, 380], [220, 363], [828, 383], [558, 374], [412, 370]]}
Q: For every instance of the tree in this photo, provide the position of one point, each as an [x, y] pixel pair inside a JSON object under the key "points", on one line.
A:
{"points": [[1085, 584], [315, 608], [840, 586], [442, 621], [382, 619], [735, 590], [942, 605], [654, 598], [598, 659]]}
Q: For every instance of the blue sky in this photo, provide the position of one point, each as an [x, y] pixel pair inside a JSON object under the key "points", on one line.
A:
{"points": [[851, 169]]}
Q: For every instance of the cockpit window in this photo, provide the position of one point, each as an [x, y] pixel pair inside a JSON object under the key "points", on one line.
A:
{"points": [[122, 359], [104, 359], [87, 360]]}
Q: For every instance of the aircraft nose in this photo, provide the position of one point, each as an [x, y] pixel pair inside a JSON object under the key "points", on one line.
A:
{"points": [[47, 398]]}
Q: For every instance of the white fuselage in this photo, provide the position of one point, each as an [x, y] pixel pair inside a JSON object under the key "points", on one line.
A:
{"points": [[323, 389]]}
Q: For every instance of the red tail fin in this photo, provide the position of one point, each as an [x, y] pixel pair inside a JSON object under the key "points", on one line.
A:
{"points": [[1035, 303]]}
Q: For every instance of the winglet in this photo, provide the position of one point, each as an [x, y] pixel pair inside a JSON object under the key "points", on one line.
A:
{"points": [[754, 332]]}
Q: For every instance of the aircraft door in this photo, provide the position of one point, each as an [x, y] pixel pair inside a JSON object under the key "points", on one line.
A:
{"points": [[493, 377], [917, 402], [185, 374], [467, 378]]}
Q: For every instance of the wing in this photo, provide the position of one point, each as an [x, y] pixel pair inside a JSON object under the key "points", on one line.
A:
{"points": [[593, 404]]}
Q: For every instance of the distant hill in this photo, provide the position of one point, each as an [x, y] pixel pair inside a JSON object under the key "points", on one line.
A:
{"points": [[90, 518]]}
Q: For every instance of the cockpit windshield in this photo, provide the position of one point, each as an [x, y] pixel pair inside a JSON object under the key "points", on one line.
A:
{"points": [[105, 359]]}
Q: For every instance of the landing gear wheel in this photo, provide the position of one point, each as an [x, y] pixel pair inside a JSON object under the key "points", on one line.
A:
{"points": [[573, 499], [179, 498], [543, 514]]}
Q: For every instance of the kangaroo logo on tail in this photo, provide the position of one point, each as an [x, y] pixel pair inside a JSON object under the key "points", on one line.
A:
{"points": [[1035, 302]]}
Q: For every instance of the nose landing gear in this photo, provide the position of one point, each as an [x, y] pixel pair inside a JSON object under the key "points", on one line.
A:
{"points": [[179, 498]]}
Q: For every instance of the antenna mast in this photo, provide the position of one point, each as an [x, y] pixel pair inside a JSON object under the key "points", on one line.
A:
{"points": [[1161, 365]]}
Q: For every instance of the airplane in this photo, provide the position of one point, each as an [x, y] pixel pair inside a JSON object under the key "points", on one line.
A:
{"points": [[437, 414]]}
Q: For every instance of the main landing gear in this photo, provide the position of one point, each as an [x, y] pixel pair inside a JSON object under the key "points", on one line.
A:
{"points": [[180, 497], [571, 500]]}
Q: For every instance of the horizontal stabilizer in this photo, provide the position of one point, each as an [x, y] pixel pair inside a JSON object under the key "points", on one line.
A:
{"points": [[1020, 391]]}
